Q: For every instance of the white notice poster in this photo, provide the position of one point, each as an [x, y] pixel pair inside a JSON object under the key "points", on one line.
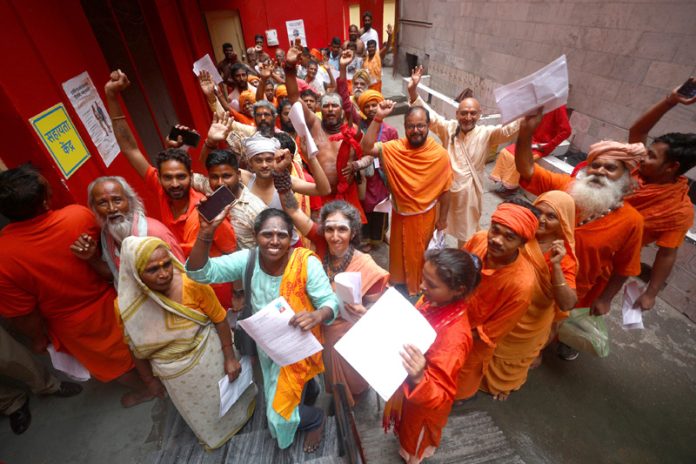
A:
{"points": [[296, 31], [89, 107]]}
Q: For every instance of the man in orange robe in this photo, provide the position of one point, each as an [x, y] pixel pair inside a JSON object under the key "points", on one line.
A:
{"points": [[608, 231], [662, 197], [505, 291], [419, 177], [51, 295]]}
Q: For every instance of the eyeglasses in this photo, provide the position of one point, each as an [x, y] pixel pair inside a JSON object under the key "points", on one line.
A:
{"points": [[420, 127]]}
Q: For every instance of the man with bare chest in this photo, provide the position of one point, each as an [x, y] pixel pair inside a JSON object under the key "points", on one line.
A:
{"points": [[338, 141]]}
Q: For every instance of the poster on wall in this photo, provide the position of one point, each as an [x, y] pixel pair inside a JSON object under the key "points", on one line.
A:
{"points": [[272, 38], [89, 107], [296, 31], [57, 132]]}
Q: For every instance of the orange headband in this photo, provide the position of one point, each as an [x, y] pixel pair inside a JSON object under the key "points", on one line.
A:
{"points": [[518, 218], [369, 96], [629, 153]]}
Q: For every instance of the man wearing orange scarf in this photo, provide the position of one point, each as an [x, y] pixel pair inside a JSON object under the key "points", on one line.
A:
{"points": [[419, 176], [662, 197], [505, 291], [608, 231]]}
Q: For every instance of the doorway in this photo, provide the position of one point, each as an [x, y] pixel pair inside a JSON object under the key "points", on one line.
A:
{"points": [[224, 26]]}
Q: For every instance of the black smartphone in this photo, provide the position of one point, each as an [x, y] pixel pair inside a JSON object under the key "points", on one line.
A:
{"points": [[216, 203], [190, 138], [688, 89]]}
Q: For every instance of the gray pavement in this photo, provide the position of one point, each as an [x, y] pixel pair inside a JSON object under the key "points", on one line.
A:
{"points": [[638, 405]]}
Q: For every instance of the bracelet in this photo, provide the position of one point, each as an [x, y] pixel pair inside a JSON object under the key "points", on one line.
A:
{"points": [[564, 284], [282, 181], [206, 240], [116, 118]]}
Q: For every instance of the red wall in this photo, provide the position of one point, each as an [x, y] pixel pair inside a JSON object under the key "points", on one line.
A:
{"points": [[322, 19]]}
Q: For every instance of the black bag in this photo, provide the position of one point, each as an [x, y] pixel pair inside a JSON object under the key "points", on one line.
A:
{"points": [[242, 341]]}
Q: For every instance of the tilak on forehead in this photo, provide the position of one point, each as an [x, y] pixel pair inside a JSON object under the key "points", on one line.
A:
{"points": [[337, 222], [331, 98]]}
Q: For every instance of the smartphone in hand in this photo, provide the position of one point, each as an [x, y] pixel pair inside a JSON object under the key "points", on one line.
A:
{"points": [[688, 88], [216, 202], [190, 138]]}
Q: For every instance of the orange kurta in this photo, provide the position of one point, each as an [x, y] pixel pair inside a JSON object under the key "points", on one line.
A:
{"points": [[495, 307], [39, 272], [374, 282], [605, 246], [416, 178], [666, 209]]}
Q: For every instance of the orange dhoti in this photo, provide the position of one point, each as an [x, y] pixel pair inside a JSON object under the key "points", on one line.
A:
{"points": [[409, 239], [505, 171]]}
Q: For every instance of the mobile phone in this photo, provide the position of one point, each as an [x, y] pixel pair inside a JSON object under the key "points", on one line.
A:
{"points": [[688, 89], [190, 138], [216, 202]]}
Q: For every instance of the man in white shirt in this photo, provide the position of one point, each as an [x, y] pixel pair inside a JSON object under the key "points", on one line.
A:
{"points": [[368, 33]]}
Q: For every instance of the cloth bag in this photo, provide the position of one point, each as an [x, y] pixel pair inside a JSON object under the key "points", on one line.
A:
{"points": [[438, 240], [584, 332]]}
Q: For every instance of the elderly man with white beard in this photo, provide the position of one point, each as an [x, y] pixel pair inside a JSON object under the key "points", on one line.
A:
{"points": [[120, 213], [608, 231]]}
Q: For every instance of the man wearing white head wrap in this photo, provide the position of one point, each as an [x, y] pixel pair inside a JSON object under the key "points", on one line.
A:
{"points": [[258, 144]]}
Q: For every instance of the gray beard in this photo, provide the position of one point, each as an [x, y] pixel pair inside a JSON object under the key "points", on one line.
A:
{"points": [[119, 230], [592, 199]]}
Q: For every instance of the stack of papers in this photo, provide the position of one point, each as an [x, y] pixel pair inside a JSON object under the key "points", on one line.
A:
{"points": [[230, 392], [348, 287], [206, 64], [272, 333], [632, 317], [374, 344], [298, 122], [68, 365], [548, 87]]}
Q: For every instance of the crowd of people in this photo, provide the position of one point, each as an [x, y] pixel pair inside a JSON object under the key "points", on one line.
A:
{"points": [[300, 218]]}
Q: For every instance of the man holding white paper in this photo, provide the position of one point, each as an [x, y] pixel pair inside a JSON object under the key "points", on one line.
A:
{"points": [[469, 147], [298, 276]]}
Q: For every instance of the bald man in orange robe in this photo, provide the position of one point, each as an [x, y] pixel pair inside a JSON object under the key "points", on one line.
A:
{"points": [[419, 177], [505, 291], [608, 234]]}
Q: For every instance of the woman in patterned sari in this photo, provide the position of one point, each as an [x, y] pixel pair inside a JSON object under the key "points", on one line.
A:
{"points": [[180, 339]]}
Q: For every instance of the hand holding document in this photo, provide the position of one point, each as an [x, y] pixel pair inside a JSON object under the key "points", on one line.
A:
{"points": [[206, 64], [547, 87], [632, 317], [300, 125], [391, 323], [348, 287], [282, 343], [231, 391], [68, 365]]}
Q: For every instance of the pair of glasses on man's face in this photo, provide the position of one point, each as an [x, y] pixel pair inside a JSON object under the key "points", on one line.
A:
{"points": [[420, 127]]}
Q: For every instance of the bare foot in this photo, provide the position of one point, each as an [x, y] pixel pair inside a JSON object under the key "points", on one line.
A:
{"points": [[313, 438], [501, 396], [135, 397]]}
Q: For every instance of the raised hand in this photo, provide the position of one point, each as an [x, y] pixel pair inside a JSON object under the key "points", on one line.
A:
{"points": [[117, 83], [416, 75], [384, 109], [85, 247], [293, 55], [558, 251], [530, 122], [675, 97], [390, 30], [265, 70], [169, 143], [346, 58], [207, 229], [283, 157], [206, 83], [220, 128]]}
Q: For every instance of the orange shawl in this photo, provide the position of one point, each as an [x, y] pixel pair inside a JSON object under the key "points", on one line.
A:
{"points": [[369, 270], [416, 176], [292, 378], [664, 207]]}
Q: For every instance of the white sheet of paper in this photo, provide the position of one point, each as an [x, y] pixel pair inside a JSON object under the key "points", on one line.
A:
{"points": [[348, 287], [68, 365], [300, 125], [206, 64], [547, 87], [231, 391], [632, 317], [384, 206], [373, 345], [282, 343]]}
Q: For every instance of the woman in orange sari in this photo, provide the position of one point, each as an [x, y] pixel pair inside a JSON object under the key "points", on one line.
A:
{"points": [[552, 255]]}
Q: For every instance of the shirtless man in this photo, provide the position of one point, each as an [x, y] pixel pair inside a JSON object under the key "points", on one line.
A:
{"points": [[334, 142], [354, 38]]}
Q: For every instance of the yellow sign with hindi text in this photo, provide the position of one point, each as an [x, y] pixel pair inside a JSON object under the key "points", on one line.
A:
{"points": [[62, 140]]}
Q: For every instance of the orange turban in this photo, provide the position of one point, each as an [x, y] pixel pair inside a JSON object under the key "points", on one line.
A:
{"points": [[317, 55], [362, 74], [251, 78], [519, 219], [369, 96], [629, 153], [281, 92], [246, 96]]}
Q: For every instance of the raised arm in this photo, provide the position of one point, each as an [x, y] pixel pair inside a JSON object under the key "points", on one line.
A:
{"points": [[388, 44], [287, 197], [122, 131], [219, 130], [291, 86], [342, 87], [265, 70], [368, 141], [638, 132], [524, 158], [438, 124]]}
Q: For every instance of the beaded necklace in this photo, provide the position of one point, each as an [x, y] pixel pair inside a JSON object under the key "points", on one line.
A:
{"points": [[594, 217], [331, 271]]}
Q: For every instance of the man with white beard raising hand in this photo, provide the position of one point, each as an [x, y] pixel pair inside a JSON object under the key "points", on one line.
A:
{"points": [[608, 231]]}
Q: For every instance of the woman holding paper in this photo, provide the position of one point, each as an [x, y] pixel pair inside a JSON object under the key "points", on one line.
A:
{"points": [[419, 409], [296, 275], [336, 238], [179, 326]]}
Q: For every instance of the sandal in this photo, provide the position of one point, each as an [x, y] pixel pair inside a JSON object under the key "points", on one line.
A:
{"points": [[20, 420]]}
